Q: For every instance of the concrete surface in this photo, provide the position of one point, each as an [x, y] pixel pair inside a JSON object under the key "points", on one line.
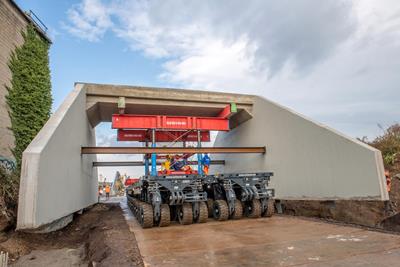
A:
{"points": [[309, 160], [102, 102], [276, 241], [11, 25], [55, 179]]}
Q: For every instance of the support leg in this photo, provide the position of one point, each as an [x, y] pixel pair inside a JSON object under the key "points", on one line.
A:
{"points": [[153, 156], [146, 162], [199, 158]]}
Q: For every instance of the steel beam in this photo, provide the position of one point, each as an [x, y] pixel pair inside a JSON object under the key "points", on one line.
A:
{"points": [[141, 163], [130, 121], [161, 136], [171, 150]]}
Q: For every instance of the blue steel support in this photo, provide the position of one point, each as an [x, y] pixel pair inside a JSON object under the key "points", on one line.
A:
{"points": [[153, 156], [146, 162], [199, 157]]}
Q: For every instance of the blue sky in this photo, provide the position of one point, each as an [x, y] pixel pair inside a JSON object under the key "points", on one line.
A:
{"points": [[109, 61], [73, 59], [337, 62]]}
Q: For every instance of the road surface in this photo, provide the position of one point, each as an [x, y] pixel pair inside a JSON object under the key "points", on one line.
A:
{"points": [[276, 241]]}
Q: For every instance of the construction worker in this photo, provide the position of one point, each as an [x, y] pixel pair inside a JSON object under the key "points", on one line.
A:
{"points": [[166, 165], [100, 193], [388, 180], [177, 164], [108, 189], [187, 169], [205, 161]]}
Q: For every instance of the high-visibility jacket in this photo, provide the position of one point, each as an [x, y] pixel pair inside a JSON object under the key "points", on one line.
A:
{"points": [[166, 165], [108, 189]]}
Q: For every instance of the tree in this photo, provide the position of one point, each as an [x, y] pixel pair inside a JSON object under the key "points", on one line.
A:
{"points": [[29, 96], [389, 144]]}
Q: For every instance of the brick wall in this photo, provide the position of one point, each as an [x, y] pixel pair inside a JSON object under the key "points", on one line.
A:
{"points": [[12, 22]]}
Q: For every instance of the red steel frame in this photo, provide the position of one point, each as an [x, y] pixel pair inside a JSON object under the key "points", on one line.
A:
{"points": [[162, 136], [163, 128], [128, 121]]}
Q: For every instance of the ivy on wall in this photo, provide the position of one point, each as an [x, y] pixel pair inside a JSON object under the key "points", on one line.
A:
{"points": [[29, 95]]}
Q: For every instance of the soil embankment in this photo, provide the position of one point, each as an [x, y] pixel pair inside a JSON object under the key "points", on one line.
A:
{"points": [[376, 214], [98, 237]]}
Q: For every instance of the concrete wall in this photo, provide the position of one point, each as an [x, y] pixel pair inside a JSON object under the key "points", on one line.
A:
{"points": [[309, 160], [11, 25], [56, 180]]}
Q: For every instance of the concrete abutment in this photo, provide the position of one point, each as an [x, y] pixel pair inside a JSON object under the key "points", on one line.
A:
{"points": [[309, 160]]}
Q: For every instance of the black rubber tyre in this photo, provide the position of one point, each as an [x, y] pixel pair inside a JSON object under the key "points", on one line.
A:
{"points": [[203, 215], [210, 207], [238, 213], [254, 209], [165, 218], [270, 208], [220, 210], [174, 212], [146, 215], [185, 214], [135, 204]]}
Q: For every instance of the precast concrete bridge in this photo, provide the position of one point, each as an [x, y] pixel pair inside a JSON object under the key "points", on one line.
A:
{"points": [[309, 160]]}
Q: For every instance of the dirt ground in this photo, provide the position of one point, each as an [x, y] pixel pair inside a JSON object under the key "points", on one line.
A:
{"points": [[98, 237]]}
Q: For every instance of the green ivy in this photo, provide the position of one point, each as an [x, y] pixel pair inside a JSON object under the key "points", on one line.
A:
{"points": [[29, 96]]}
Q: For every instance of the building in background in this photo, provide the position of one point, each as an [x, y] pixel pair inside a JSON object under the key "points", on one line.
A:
{"points": [[12, 22]]}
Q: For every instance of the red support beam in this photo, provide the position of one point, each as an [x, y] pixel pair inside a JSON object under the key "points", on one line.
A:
{"points": [[225, 112], [124, 121], [161, 136]]}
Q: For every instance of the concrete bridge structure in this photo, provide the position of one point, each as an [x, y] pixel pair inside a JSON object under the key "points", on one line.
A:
{"points": [[309, 160]]}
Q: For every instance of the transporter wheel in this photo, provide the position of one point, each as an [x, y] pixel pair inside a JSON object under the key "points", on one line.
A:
{"points": [[210, 207], [146, 215], [165, 217], [132, 206], [174, 212], [135, 207], [220, 210], [185, 214], [254, 209], [238, 213], [203, 215], [270, 208]]}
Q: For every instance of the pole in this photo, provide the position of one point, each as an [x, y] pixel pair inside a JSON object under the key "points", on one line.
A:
{"points": [[153, 156], [199, 165], [146, 162], [172, 150]]}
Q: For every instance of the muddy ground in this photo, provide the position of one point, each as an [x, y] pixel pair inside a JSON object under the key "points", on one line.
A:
{"points": [[98, 237]]}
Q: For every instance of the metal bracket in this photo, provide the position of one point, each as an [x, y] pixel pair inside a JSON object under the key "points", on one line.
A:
{"points": [[156, 201]]}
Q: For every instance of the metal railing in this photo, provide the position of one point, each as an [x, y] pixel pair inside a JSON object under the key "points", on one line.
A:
{"points": [[36, 20]]}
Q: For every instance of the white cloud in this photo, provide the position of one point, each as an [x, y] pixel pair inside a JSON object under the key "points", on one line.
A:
{"points": [[105, 136], [89, 20], [335, 61]]}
